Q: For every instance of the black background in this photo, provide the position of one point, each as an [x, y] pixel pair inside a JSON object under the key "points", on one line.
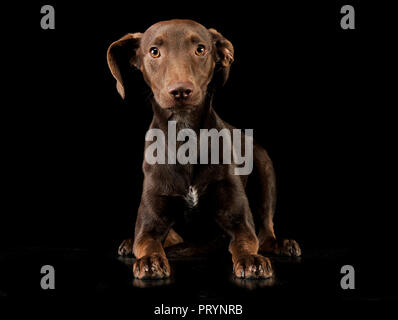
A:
{"points": [[316, 96]]}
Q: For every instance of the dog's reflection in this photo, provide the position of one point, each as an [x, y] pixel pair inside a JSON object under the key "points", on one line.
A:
{"points": [[151, 283], [252, 284]]}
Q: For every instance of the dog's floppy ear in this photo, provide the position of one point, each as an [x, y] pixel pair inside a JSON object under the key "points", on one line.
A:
{"points": [[121, 55], [224, 53]]}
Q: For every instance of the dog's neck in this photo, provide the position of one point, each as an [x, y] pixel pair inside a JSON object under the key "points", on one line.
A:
{"points": [[195, 118]]}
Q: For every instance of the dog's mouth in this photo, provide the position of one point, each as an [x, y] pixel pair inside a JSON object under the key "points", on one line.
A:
{"points": [[181, 108]]}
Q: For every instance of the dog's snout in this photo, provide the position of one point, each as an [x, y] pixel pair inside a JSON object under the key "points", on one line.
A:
{"points": [[181, 90]]}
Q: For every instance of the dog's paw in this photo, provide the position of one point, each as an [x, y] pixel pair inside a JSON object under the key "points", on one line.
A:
{"points": [[154, 266], [253, 266], [126, 247], [285, 247]]}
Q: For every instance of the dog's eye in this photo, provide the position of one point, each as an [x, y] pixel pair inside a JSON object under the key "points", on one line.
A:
{"points": [[155, 52], [200, 50]]}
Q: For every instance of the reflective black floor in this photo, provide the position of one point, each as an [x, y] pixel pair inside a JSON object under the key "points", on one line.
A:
{"points": [[97, 280], [89, 272]]}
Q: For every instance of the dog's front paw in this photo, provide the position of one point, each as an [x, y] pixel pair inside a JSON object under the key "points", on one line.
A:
{"points": [[126, 247], [284, 247], [253, 266], [154, 266]]}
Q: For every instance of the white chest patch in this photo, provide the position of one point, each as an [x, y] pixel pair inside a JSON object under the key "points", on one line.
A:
{"points": [[192, 197]]}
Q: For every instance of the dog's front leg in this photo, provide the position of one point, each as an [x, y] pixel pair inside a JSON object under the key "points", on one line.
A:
{"points": [[247, 263], [234, 216], [151, 229]]}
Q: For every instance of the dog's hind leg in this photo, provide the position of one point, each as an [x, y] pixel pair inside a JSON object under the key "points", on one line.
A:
{"points": [[263, 201], [172, 239], [126, 247]]}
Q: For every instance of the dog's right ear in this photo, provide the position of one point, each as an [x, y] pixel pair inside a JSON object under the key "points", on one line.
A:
{"points": [[122, 55]]}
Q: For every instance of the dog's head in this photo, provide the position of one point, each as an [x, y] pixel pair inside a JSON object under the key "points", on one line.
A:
{"points": [[178, 59]]}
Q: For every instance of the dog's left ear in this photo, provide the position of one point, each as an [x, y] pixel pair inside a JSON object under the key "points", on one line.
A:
{"points": [[122, 55], [224, 54]]}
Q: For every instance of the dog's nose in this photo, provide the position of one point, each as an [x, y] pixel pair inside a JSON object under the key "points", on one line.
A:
{"points": [[181, 90]]}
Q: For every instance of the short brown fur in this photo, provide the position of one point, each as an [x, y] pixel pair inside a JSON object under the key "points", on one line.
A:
{"points": [[183, 80]]}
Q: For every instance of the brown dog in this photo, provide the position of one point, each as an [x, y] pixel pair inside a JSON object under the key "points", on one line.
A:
{"points": [[182, 62]]}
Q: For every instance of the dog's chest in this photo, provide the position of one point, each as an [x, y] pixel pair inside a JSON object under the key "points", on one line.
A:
{"points": [[195, 222], [192, 197]]}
